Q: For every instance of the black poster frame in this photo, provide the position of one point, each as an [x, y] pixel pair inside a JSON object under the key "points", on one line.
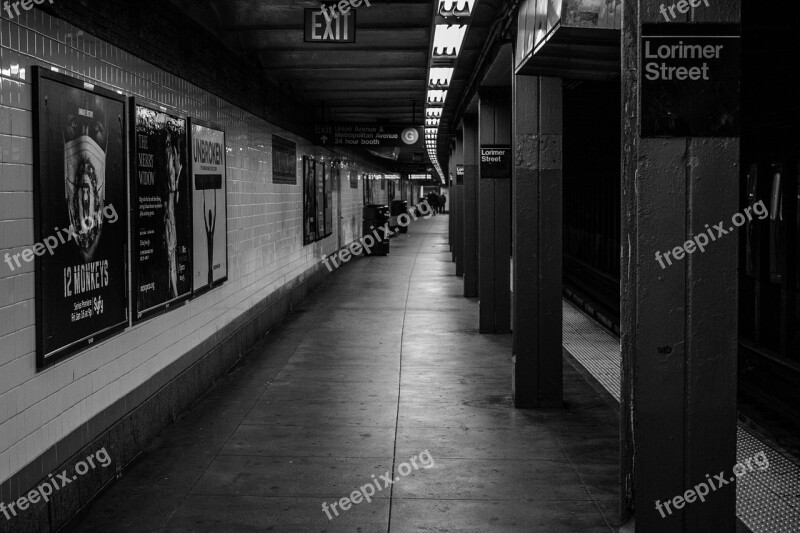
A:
{"points": [[279, 175], [334, 177], [321, 178], [309, 225], [163, 307], [39, 75], [190, 158]]}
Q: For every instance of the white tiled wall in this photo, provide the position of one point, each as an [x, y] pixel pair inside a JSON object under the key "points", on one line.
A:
{"points": [[352, 203], [265, 239]]}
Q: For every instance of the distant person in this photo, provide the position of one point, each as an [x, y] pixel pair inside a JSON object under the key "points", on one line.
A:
{"points": [[433, 201], [442, 203]]}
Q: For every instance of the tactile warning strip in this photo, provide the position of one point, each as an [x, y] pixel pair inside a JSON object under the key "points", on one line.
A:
{"points": [[595, 348], [767, 501]]}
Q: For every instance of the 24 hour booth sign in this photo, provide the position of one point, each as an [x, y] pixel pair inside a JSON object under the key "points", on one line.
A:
{"points": [[210, 216], [80, 206]]}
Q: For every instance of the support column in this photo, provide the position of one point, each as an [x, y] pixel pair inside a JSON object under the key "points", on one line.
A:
{"points": [[537, 187], [451, 187], [458, 206], [679, 323], [494, 222], [469, 215]]}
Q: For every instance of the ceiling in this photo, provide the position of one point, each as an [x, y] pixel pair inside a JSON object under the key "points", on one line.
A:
{"points": [[381, 78]]}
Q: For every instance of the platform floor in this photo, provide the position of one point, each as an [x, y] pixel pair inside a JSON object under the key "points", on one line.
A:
{"points": [[382, 363], [766, 502]]}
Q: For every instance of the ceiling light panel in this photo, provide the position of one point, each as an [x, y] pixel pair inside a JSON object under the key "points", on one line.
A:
{"points": [[447, 40], [440, 77], [456, 8]]}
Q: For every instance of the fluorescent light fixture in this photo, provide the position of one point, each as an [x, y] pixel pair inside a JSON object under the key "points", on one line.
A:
{"points": [[456, 8], [440, 77], [447, 39], [436, 96], [433, 112], [431, 121]]}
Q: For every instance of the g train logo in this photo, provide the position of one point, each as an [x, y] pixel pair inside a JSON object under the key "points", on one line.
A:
{"points": [[410, 135]]}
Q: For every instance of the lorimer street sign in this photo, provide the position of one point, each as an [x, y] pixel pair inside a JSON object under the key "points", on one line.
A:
{"points": [[495, 161], [690, 80]]}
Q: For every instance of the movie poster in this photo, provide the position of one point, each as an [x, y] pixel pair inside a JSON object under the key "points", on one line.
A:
{"points": [[322, 174], [162, 215], [209, 193], [309, 201], [333, 180], [81, 228]]}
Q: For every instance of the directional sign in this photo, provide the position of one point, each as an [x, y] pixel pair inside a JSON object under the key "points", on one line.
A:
{"points": [[368, 135], [326, 27]]}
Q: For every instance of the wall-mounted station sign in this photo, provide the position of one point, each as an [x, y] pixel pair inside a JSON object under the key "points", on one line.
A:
{"points": [[325, 26], [690, 80], [495, 161], [368, 135]]}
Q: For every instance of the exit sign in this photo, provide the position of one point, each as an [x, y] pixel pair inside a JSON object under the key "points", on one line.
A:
{"points": [[327, 28]]}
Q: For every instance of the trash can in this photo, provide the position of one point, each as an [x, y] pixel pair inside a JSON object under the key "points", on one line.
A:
{"points": [[376, 216], [399, 207]]}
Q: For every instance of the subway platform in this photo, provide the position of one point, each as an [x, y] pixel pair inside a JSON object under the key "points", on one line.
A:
{"points": [[379, 365]]}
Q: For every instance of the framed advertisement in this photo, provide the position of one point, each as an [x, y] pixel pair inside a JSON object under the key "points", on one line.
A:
{"points": [[367, 192], [209, 205], [80, 202], [322, 175], [161, 209], [309, 201], [284, 161], [332, 181]]}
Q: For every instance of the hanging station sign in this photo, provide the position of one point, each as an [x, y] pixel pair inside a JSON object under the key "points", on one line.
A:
{"points": [[690, 80], [368, 135]]}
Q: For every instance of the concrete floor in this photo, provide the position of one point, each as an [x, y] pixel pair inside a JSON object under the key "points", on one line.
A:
{"points": [[380, 364]]}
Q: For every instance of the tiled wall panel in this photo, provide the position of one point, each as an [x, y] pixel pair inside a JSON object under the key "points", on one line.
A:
{"points": [[264, 234]]}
